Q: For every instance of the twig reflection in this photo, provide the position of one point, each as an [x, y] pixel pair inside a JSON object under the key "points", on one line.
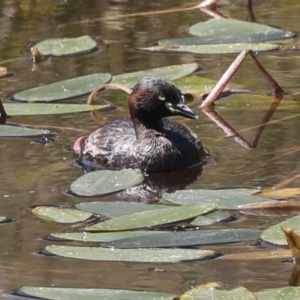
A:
{"points": [[231, 132]]}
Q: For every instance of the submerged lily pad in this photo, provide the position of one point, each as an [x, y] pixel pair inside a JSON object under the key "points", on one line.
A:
{"points": [[66, 46], [187, 238], [60, 215], [169, 72], [20, 109], [153, 217], [65, 89], [212, 291], [11, 131], [104, 182], [275, 235], [130, 255], [116, 208], [103, 236], [91, 294], [225, 198], [240, 31], [211, 218], [213, 49]]}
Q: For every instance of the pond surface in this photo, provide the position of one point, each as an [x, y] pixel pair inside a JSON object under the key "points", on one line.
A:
{"points": [[36, 174]]}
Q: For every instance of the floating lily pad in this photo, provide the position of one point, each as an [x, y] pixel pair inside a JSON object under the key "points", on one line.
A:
{"points": [[11, 131], [65, 89], [66, 46], [91, 294], [275, 235], [225, 198], [285, 293], [61, 215], [253, 102], [212, 291], [20, 109], [211, 218], [130, 255], [212, 49], [170, 72], [104, 182], [117, 208], [240, 31], [187, 238], [153, 217], [103, 236]]}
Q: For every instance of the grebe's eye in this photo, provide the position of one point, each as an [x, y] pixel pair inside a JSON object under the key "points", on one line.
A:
{"points": [[161, 97]]}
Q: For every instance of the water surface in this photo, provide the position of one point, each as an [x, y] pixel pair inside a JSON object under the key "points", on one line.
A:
{"points": [[36, 174]]}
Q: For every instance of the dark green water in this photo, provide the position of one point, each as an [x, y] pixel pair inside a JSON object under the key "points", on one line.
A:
{"points": [[36, 174]]}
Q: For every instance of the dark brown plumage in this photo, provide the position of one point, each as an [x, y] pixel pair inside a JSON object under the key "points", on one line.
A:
{"points": [[147, 141]]}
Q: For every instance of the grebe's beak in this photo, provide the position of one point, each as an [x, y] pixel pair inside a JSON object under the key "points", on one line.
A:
{"points": [[181, 109]]}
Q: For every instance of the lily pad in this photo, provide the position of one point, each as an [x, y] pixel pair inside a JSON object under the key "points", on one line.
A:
{"points": [[241, 31], [129, 255], [211, 218], [213, 49], [66, 46], [285, 293], [11, 131], [153, 217], [65, 89], [117, 208], [105, 182], [103, 236], [211, 291], [91, 294], [60, 215], [187, 238], [169, 72], [225, 198], [20, 109], [275, 235]]}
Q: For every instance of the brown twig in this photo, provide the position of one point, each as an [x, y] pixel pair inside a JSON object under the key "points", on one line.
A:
{"points": [[97, 119], [219, 87], [92, 97], [286, 181], [277, 88]]}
